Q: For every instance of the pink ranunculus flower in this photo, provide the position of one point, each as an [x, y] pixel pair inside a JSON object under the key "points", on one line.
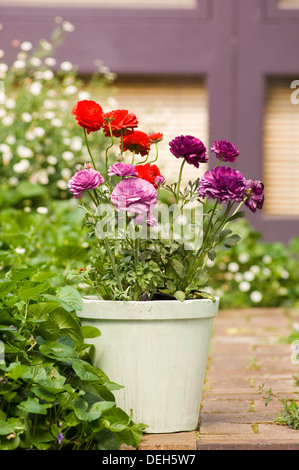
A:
{"points": [[122, 169], [84, 180], [134, 195]]}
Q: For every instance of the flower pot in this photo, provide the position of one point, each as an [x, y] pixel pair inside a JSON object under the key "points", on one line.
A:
{"points": [[158, 351]]}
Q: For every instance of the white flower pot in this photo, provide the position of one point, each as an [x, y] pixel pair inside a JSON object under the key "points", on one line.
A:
{"points": [[158, 351]]}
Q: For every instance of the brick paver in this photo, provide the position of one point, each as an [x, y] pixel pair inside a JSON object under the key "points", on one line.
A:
{"points": [[246, 352]]}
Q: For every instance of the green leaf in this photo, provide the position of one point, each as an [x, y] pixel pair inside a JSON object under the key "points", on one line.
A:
{"points": [[179, 295], [68, 297], [178, 267], [90, 331], [32, 405], [67, 324], [87, 372], [58, 350]]}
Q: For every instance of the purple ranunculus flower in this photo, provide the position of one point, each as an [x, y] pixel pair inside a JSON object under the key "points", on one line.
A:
{"points": [[134, 195], [159, 180], [255, 193], [149, 218], [122, 169], [192, 149], [83, 180], [224, 184], [225, 150]]}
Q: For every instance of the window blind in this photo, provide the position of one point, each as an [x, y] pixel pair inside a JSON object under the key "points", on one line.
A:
{"points": [[173, 107], [169, 4], [281, 149], [290, 4]]}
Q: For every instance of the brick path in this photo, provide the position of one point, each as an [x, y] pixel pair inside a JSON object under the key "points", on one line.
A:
{"points": [[245, 354]]}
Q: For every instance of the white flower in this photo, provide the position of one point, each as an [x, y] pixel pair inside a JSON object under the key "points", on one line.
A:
{"points": [[255, 269], [50, 61], [284, 274], [48, 75], [62, 184], [243, 257], [248, 276], [49, 115], [21, 167], [46, 45], [1, 53], [4, 148], [266, 272], [3, 70], [66, 66], [267, 259], [51, 170], [233, 267], [13, 181], [67, 156], [39, 132], [19, 250], [26, 117], [35, 88], [51, 93], [256, 296], [42, 210], [244, 286], [7, 120], [56, 122], [67, 26], [30, 135], [26, 46], [10, 103], [10, 139], [19, 64], [238, 277], [76, 144], [70, 90], [83, 95], [24, 152], [66, 173], [49, 104], [27, 209], [52, 160], [35, 61], [2, 111]]}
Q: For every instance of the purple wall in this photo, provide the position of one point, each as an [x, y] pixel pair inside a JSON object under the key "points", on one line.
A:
{"points": [[234, 44]]}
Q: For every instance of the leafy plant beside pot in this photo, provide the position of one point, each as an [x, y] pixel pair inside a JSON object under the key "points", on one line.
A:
{"points": [[143, 254]]}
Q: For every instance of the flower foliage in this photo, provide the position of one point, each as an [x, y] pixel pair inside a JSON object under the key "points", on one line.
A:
{"points": [[51, 396], [131, 261]]}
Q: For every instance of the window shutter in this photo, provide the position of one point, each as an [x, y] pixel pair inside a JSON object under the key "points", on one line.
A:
{"points": [[281, 149], [171, 107]]}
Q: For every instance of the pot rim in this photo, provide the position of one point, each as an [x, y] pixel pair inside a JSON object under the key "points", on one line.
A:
{"points": [[150, 310]]}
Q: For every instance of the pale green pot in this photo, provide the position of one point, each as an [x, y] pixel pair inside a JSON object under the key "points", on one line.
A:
{"points": [[158, 351]]}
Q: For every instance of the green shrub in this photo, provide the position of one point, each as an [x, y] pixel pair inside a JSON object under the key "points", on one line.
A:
{"points": [[40, 144], [51, 397]]}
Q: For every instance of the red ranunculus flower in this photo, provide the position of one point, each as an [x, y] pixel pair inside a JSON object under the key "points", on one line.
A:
{"points": [[120, 119], [137, 142], [89, 115], [155, 137], [149, 173]]}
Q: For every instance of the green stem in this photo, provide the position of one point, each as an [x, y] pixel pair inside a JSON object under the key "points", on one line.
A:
{"points": [[157, 154], [113, 264], [109, 146], [86, 142], [133, 158], [179, 180]]}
